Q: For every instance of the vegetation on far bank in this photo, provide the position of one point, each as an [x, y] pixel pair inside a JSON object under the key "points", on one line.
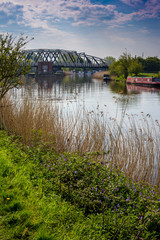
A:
{"points": [[127, 65], [48, 195]]}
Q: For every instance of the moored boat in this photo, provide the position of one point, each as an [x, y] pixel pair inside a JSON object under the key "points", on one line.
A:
{"points": [[144, 81], [106, 77]]}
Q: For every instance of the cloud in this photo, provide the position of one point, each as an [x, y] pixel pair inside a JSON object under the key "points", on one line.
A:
{"points": [[132, 2], [149, 10], [144, 31], [77, 10], [118, 39], [7, 7], [153, 8], [49, 14]]}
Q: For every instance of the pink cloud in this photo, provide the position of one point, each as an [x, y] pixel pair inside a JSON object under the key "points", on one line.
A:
{"points": [[132, 2]]}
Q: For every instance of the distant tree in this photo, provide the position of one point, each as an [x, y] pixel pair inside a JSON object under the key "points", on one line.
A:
{"points": [[109, 60], [125, 65], [12, 62], [135, 67], [114, 69], [150, 64]]}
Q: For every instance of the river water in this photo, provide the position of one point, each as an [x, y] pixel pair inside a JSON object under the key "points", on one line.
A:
{"points": [[76, 93]]}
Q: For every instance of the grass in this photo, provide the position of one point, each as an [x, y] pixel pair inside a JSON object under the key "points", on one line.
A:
{"points": [[48, 195], [29, 208], [149, 74]]}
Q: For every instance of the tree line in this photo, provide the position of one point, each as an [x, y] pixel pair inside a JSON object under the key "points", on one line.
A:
{"points": [[128, 65]]}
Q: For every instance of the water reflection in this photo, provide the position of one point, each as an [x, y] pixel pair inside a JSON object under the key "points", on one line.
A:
{"points": [[118, 87], [133, 89], [92, 92]]}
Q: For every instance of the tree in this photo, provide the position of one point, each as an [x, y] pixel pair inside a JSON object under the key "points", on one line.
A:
{"points": [[135, 67], [125, 65], [109, 60], [150, 64], [12, 62]]}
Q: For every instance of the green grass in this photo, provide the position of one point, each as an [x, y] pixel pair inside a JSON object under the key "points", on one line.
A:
{"points": [[47, 195], [148, 74]]}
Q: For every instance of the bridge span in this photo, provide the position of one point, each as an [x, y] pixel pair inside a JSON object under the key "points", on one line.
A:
{"points": [[50, 60]]}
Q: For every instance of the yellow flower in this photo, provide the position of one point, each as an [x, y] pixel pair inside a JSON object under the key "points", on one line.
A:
{"points": [[8, 198]]}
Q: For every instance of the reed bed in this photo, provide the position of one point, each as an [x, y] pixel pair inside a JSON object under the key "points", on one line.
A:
{"points": [[131, 144]]}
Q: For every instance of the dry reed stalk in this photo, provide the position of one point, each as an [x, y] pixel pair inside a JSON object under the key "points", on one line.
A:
{"points": [[133, 148], [100, 75]]}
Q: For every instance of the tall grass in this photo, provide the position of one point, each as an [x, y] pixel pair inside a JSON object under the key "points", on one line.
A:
{"points": [[133, 145]]}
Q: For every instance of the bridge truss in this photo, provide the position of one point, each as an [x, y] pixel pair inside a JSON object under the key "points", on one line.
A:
{"points": [[64, 58]]}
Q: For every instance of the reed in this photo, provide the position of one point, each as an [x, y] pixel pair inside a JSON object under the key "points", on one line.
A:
{"points": [[132, 143]]}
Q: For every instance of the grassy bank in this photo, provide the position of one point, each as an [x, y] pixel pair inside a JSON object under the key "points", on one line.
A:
{"points": [[47, 195], [133, 145]]}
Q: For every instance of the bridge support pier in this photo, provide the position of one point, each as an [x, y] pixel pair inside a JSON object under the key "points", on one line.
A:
{"points": [[44, 67]]}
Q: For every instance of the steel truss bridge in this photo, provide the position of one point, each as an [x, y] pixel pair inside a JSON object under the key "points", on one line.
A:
{"points": [[64, 58]]}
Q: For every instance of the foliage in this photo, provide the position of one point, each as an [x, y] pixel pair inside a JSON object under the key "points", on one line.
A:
{"points": [[12, 62], [150, 64], [109, 60], [97, 201], [125, 65], [135, 67]]}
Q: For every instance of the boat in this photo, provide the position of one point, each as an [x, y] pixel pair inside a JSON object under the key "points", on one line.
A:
{"points": [[144, 81], [106, 77]]}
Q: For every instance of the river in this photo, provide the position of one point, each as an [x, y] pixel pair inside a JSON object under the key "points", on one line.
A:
{"points": [[75, 93]]}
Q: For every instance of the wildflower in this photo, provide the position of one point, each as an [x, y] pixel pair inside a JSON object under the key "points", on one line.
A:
{"points": [[8, 199], [63, 157], [75, 172], [116, 189], [116, 208]]}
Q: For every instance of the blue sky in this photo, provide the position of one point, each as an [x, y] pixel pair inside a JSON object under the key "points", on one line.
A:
{"points": [[100, 28]]}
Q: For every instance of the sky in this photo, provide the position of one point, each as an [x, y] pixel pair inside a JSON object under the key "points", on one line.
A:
{"points": [[99, 28]]}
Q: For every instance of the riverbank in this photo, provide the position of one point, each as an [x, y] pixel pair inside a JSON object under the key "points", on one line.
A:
{"points": [[129, 139], [50, 195], [100, 75]]}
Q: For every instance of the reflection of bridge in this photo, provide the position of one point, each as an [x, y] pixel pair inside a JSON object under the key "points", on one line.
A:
{"points": [[48, 60]]}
